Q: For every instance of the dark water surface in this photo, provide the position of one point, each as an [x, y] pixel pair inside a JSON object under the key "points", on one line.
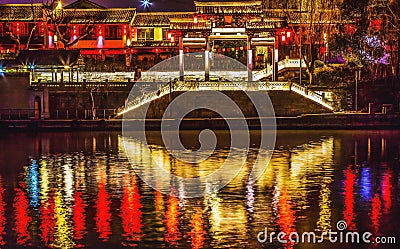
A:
{"points": [[78, 190]]}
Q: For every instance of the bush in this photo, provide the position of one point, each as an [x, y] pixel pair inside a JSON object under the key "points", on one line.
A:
{"points": [[319, 64]]}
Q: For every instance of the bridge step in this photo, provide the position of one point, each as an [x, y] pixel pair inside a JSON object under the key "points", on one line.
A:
{"points": [[224, 86]]}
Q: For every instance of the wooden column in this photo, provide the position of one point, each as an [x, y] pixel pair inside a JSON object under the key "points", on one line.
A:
{"points": [[181, 59], [207, 60], [249, 59], [275, 59]]}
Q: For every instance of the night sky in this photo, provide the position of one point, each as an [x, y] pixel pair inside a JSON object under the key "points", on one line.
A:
{"points": [[157, 5]]}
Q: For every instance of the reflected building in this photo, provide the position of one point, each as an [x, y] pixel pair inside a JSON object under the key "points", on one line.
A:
{"points": [[349, 201], [22, 219], [63, 233], [3, 220], [47, 220], [197, 232], [83, 199], [103, 215], [131, 213], [172, 224], [79, 218]]}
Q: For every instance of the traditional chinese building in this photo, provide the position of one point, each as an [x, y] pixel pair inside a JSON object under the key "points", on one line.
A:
{"points": [[255, 32], [81, 25]]}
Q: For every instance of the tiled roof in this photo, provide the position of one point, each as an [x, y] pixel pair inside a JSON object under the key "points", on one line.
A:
{"points": [[242, 7], [328, 16], [266, 24], [158, 19], [99, 15], [21, 12], [189, 25]]}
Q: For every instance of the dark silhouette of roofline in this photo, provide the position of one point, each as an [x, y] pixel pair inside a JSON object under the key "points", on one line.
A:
{"points": [[84, 4]]}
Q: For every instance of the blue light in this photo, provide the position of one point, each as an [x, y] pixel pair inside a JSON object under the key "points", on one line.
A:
{"points": [[33, 181], [366, 184], [31, 66], [146, 3]]}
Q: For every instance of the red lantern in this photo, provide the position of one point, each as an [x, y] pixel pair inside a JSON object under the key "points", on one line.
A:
{"points": [[376, 24], [350, 29]]}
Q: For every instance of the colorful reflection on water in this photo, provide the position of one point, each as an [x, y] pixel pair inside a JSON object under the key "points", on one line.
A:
{"points": [[77, 190]]}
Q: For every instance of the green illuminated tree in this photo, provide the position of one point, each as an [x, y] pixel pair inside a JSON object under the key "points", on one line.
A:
{"points": [[313, 21]]}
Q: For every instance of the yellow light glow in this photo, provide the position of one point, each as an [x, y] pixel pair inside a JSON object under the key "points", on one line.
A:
{"points": [[325, 213], [63, 231], [44, 181], [158, 34], [59, 5]]}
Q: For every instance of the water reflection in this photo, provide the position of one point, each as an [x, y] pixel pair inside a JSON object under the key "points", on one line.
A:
{"points": [[103, 214], [348, 212], [79, 218], [286, 215], [172, 232], [197, 232], [85, 193], [63, 227], [47, 220], [131, 214], [3, 220], [22, 219], [33, 183]]}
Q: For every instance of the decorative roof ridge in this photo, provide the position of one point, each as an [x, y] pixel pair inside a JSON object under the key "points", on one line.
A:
{"points": [[20, 4], [101, 10], [224, 4], [165, 13]]}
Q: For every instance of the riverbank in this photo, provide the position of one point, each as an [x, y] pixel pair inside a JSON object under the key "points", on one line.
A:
{"points": [[310, 121]]}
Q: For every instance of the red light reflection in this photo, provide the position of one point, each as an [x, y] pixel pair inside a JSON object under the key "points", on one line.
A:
{"points": [[172, 235], [130, 213], [286, 217], [197, 232], [3, 220], [79, 217], [348, 211], [22, 218], [103, 215], [375, 213], [387, 189], [47, 221]]}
